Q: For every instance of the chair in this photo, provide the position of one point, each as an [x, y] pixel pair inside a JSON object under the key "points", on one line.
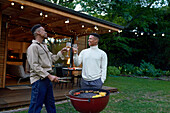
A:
{"points": [[17, 71]]}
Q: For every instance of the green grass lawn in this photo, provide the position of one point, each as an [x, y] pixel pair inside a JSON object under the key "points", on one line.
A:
{"points": [[136, 95]]}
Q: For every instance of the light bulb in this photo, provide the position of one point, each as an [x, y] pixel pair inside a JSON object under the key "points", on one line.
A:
{"points": [[163, 34], [41, 14], [82, 26], [67, 21], [22, 7], [119, 31], [12, 3], [52, 40], [46, 16]]}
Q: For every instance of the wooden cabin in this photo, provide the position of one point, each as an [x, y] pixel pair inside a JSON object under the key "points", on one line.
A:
{"points": [[17, 18]]}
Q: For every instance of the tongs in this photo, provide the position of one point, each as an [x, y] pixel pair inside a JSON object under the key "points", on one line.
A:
{"points": [[64, 79]]}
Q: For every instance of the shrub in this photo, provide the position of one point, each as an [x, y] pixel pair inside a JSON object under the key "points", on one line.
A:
{"points": [[148, 69], [167, 73], [112, 70], [128, 69]]}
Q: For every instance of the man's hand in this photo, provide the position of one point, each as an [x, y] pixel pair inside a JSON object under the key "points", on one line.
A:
{"points": [[63, 50], [53, 78], [75, 50]]}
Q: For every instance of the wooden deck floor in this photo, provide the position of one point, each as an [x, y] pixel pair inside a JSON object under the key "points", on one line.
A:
{"points": [[21, 97]]}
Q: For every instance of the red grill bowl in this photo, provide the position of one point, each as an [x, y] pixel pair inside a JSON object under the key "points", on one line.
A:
{"points": [[89, 105]]}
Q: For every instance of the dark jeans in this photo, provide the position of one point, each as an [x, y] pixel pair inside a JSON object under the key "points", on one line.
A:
{"points": [[42, 92], [91, 84]]}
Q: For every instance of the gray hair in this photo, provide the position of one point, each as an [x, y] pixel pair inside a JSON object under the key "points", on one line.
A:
{"points": [[35, 32]]}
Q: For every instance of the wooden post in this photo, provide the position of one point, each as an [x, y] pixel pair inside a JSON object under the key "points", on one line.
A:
{"points": [[0, 21], [3, 49], [71, 52], [5, 52], [1, 66]]}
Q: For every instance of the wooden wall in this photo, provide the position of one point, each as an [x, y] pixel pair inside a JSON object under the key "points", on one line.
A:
{"points": [[18, 47], [81, 43]]}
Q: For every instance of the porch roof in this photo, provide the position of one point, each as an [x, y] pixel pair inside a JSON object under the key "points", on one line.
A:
{"points": [[20, 20]]}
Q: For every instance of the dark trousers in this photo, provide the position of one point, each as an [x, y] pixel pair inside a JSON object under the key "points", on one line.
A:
{"points": [[91, 84], [42, 92]]}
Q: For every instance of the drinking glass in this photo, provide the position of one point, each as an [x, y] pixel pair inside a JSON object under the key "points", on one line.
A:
{"points": [[68, 46], [75, 48]]}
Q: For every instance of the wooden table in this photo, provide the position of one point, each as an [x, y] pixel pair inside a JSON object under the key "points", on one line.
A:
{"points": [[70, 74]]}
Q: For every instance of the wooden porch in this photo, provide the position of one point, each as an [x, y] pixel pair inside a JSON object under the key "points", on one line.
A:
{"points": [[21, 97], [16, 22], [15, 37], [16, 98]]}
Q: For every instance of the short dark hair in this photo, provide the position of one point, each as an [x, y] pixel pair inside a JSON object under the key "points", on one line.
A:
{"points": [[96, 35], [35, 27]]}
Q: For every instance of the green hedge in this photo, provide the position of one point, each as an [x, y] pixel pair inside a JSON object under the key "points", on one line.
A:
{"points": [[145, 69], [113, 70]]}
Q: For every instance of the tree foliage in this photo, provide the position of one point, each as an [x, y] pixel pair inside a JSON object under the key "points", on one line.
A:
{"points": [[66, 3], [148, 16]]}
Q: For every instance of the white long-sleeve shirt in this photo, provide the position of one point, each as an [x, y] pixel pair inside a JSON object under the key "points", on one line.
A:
{"points": [[94, 62]]}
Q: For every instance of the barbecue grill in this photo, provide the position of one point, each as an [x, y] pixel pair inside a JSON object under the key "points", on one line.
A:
{"points": [[83, 101]]}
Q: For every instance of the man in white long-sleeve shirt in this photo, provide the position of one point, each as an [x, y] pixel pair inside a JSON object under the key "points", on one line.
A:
{"points": [[94, 62]]}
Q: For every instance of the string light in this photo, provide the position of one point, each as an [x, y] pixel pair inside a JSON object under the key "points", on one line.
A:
{"points": [[57, 40], [46, 16], [119, 31], [12, 3], [146, 33], [82, 26], [67, 21], [41, 13], [134, 30], [22, 7], [49, 38], [96, 28], [163, 34], [52, 40]]}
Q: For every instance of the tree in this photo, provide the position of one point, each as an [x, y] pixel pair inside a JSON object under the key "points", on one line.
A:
{"points": [[148, 16], [66, 3]]}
